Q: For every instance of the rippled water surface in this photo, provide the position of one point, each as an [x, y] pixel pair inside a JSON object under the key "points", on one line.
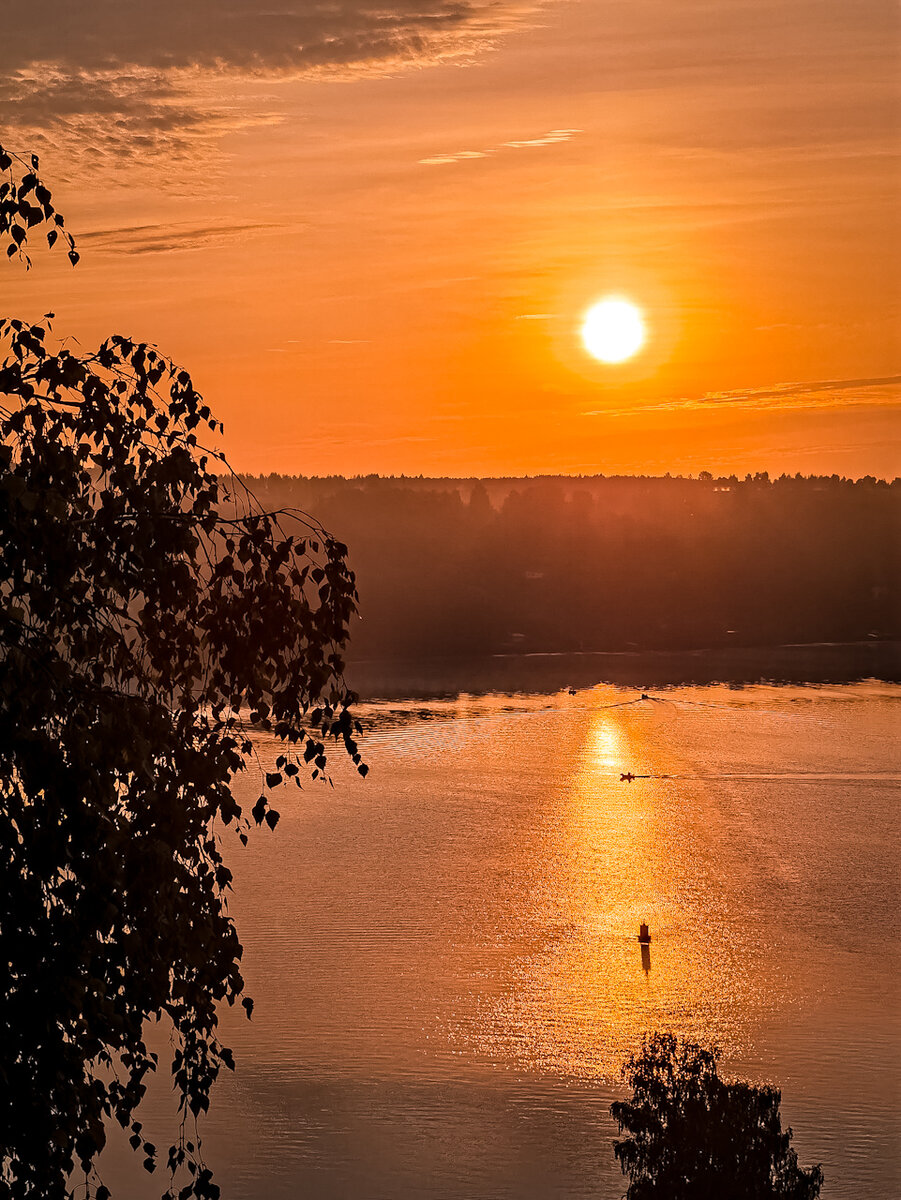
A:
{"points": [[444, 956]]}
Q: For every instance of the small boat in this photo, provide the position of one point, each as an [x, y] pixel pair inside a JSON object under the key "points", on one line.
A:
{"points": [[644, 936], [627, 777]]}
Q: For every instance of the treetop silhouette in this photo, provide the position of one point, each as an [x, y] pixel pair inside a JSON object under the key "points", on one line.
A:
{"points": [[693, 1136]]}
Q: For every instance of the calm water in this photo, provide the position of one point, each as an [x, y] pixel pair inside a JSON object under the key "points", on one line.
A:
{"points": [[444, 956]]}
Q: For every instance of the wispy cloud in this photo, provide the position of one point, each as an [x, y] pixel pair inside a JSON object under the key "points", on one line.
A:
{"points": [[168, 239], [553, 138], [438, 160], [118, 118], [877, 391], [548, 139], [882, 388], [152, 69]]}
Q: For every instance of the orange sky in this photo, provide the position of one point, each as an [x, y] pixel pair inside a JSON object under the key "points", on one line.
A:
{"points": [[371, 235]]}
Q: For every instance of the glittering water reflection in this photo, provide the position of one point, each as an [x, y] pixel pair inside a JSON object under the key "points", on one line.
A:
{"points": [[623, 853]]}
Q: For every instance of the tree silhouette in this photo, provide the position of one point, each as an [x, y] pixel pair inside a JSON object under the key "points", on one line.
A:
{"points": [[696, 1137], [152, 619], [635, 563]]}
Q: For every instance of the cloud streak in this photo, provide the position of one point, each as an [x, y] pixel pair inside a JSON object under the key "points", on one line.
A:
{"points": [[553, 138], [167, 239], [440, 160], [875, 391], [819, 392]]}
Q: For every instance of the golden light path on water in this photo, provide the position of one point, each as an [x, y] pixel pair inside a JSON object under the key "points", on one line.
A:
{"points": [[621, 854]]}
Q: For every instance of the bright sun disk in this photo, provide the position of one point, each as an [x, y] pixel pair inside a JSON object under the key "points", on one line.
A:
{"points": [[613, 330]]}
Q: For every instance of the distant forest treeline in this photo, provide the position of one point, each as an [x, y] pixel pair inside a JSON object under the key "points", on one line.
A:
{"points": [[469, 567]]}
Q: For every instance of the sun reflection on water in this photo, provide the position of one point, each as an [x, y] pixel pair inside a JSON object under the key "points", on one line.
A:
{"points": [[624, 853]]}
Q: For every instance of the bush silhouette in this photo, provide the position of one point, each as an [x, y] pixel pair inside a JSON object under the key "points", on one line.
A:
{"points": [[696, 1137]]}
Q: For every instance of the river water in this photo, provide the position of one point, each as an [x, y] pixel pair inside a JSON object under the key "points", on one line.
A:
{"points": [[444, 958]]}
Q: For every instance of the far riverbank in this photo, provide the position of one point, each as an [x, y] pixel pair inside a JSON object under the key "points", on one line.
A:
{"points": [[817, 663]]}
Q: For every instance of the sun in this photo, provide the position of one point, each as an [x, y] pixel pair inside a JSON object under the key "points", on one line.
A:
{"points": [[613, 330]]}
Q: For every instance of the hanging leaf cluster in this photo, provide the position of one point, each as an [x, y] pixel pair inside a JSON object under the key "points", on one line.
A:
{"points": [[153, 619], [26, 203]]}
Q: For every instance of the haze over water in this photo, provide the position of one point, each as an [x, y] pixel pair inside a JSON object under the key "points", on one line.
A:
{"points": [[444, 957]]}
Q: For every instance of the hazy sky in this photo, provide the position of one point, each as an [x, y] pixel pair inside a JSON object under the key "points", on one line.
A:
{"points": [[371, 231]]}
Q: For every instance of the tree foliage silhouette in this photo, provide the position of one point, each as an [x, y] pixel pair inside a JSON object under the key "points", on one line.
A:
{"points": [[696, 1137], [152, 619], [25, 202], [636, 564]]}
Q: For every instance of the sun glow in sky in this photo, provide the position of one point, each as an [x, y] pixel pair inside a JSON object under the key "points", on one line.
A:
{"points": [[613, 330], [373, 238]]}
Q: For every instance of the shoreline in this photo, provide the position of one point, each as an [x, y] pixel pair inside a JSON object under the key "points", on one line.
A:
{"points": [[812, 663]]}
